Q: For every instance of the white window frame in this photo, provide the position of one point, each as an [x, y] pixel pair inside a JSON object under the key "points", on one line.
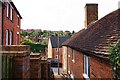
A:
{"points": [[56, 49], [7, 37], [17, 36], [11, 37], [73, 56], [7, 9], [18, 24], [57, 56], [86, 67], [72, 76], [11, 13]]}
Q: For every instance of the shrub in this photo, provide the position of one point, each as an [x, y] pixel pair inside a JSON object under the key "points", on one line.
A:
{"points": [[115, 59]]}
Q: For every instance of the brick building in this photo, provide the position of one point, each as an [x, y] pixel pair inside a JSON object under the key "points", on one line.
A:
{"points": [[55, 47], [85, 54], [10, 23]]}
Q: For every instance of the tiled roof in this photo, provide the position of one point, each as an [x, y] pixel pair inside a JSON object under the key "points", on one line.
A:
{"points": [[99, 36], [54, 41]]}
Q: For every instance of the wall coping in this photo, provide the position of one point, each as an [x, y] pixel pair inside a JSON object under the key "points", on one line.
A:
{"points": [[15, 53]]}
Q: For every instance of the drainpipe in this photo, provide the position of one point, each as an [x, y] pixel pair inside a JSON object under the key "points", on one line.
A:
{"points": [[3, 7]]}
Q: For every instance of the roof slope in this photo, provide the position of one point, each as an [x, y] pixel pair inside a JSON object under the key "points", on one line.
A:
{"points": [[54, 41], [99, 36]]}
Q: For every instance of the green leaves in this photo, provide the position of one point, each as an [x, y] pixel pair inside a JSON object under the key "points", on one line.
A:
{"points": [[36, 47], [115, 59]]}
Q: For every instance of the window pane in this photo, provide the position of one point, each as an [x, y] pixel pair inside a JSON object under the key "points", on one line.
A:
{"points": [[7, 37], [11, 35], [7, 9], [86, 64], [11, 13]]}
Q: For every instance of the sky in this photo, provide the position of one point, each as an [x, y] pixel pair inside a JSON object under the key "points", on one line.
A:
{"points": [[58, 15]]}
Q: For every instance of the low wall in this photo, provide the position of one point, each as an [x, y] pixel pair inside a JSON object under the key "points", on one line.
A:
{"points": [[15, 61], [35, 66]]}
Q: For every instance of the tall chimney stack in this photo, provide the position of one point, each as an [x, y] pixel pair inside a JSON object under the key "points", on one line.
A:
{"points": [[91, 13]]}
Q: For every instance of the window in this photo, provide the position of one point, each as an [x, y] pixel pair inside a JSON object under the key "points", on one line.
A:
{"points": [[73, 56], [17, 38], [69, 68], [9, 11], [18, 20], [72, 76], [57, 56], [7, 36], [56, 49], [68, 50], [11, 37], [86, 67]]}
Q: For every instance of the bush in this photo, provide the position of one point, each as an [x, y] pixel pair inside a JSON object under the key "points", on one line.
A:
{"points": [[35, 47], [115, 59]]}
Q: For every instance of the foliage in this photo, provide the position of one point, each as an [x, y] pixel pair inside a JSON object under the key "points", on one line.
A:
{"points": [[27, 42], [115, 59], [35, 47]]}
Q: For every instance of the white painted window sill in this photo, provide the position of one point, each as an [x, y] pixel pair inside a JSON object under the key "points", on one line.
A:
{"points": [[73, 61], [68, 55], [86, 77]]}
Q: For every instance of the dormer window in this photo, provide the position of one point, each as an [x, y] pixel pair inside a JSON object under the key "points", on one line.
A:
{"points": [[9, 11]]}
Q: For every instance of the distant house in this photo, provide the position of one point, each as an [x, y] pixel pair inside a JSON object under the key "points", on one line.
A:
{"points": [[10, 23], [55, 47], [85, 54]]}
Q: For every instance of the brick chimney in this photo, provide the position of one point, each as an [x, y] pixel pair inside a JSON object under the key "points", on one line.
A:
{"points": [[91, 13]]}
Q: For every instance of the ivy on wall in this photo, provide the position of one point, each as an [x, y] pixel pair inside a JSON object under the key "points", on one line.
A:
{"points": [[37, 47], [115, 59]]}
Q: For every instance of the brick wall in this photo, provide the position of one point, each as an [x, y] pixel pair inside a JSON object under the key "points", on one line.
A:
{"points": [[0, 39], [45, 68], [35, 66], [91, 13], [0, 23], [18, 60], [76, 67], [11, 26], [56, 53], [100, 68]]}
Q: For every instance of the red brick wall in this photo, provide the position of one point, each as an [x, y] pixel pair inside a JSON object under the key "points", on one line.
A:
{"points": [[11, 26], [0, 23], [45, 70], [55, 53], [21, 67], [35, 66], [100, 68], [20, 60], [91, 13], [76, 68]]}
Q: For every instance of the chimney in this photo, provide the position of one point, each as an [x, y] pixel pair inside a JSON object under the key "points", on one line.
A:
{"points": [[91, 13]]}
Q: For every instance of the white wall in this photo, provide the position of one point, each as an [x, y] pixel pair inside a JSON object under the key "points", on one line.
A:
{"points": [[49, 49], [64, 59]]}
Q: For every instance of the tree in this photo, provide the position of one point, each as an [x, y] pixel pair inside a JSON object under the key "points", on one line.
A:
{"points": [[115, 59], [73, 32], [27, 42], [37, 47]]}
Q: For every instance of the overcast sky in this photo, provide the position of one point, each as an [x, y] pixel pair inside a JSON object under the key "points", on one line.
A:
{"points": [[59, 14]]}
